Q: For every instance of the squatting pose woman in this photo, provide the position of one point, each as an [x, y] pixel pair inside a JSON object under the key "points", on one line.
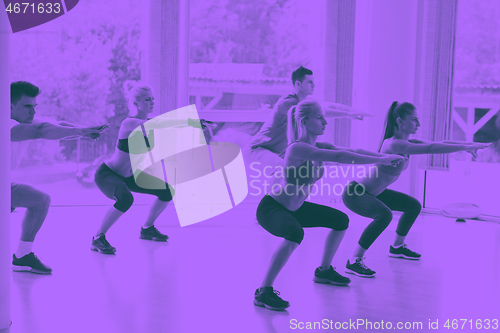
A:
{"points": [[378, 202], [284, 212], [116, 179]]}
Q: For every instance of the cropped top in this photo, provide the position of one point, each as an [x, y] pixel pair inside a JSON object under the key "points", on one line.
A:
{"points": [[304, 174], [123, 143]]}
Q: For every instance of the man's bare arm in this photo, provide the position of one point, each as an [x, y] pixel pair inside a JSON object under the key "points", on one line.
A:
{"points": [[48, 131]]}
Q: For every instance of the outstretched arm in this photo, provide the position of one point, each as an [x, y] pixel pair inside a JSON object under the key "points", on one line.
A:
{"points": [[327, 145], [309, 152], [65, 123], [337, 110], [166, 122], [49, 131], [412, 148], [92, 136], [445, 141]]}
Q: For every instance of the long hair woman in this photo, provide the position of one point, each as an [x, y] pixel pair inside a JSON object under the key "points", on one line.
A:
{"points": [[115, 177], [284, 212], [378, 202]]}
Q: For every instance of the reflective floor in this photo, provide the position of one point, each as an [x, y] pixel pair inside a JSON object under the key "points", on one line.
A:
{"points": [[204, 278]]}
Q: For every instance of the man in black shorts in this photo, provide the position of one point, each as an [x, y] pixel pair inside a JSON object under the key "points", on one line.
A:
{"points": [[23, 130]]}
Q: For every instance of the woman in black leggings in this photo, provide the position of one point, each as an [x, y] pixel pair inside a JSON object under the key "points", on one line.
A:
{"points": [[116, 179], [284, 212], [374, 200]]}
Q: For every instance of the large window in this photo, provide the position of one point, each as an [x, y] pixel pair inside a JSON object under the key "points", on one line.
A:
{"points": [[80, 62], [242, 54], [476, 112]]}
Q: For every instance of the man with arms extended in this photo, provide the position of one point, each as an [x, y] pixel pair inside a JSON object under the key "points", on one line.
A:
{"points": [[22, 112], [264, 151]]}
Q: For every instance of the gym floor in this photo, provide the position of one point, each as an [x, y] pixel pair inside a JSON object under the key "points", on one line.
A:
{"points": [[204, 278]]}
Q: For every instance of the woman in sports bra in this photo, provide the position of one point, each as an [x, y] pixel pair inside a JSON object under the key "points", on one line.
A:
{"points": [[115, 177], [378, 202], [284, 212]]}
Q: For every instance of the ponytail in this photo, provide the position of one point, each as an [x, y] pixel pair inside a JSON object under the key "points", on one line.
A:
{"points": [[296, 115], [132, 91], [397, 110]]}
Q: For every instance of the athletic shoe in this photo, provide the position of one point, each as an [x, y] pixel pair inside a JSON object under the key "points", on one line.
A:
{"points": [[330, 276], [268, 298], [102, 245], [152, 233], [29, 263], [359, 268], [403, 252]]}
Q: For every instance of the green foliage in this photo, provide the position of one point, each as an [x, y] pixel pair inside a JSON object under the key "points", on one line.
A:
{"points": [[477, 46], [80, 62], [272, 32]]}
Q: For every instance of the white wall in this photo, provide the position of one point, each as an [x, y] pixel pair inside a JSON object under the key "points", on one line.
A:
{"points": [[384, 68]]}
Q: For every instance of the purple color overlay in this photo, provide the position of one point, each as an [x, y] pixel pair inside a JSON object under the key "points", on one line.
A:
{"points": [[242, 54], [26, 15], [70, 4]]}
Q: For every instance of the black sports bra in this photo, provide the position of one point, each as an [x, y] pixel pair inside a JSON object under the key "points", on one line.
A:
{"points": [[150, 143]]}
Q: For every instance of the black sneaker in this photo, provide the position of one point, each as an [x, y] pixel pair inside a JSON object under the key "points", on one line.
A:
{"points": [[359, 268], [403, 252], [268, 298], [29, 263], [101, 244], [330, 276], [152, 233]]}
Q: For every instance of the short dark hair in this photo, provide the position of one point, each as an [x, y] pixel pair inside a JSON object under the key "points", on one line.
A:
{"points": [[300, 73], [19, 89]]}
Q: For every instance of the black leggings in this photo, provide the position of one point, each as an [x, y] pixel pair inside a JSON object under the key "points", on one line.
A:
{"points": [[120, 188], [281, 222], [379, 209]]}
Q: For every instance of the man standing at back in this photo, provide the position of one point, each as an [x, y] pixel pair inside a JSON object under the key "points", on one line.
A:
{"points": [[23, 130], [264, 151]]}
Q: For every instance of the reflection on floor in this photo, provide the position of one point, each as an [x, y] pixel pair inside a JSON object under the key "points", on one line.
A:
{"points": [[204, 278]]}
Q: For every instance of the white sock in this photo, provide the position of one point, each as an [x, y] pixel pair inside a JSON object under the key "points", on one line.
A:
{"points": [[23, 248], [398, 241]]}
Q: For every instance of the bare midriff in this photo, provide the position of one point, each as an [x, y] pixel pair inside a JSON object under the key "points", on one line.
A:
{"points": [[120, 163], [295, 195]]}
